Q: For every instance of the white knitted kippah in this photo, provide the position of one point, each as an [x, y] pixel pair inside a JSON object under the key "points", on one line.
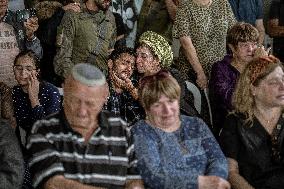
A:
{"points": [[88, 74]]}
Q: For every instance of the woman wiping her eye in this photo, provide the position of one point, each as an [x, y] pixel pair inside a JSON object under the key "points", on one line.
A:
{"points": [[32, 99]]}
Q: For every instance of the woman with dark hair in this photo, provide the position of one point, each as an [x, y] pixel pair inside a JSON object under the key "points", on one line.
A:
{"points": [[252, 137], [32, 99], [174, 151]]}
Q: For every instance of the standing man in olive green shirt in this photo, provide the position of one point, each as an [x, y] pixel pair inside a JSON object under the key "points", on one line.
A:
{"points": [[87, 36], [157, 16]]}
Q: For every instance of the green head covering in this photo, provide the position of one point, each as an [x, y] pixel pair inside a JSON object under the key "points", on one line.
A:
{"points": [[159, 46]]}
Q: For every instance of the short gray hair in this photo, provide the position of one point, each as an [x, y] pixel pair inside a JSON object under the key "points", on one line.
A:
{"points": [[88, 74]]}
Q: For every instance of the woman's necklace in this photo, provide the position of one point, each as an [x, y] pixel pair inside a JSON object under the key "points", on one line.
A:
{"points": [[268, 123]]}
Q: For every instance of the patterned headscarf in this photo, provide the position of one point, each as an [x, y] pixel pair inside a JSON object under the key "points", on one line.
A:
{"points": [[259, 67], [159, 46]]}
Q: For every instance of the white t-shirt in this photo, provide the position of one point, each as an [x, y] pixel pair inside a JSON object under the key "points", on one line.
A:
{"points": [[8, 51]]}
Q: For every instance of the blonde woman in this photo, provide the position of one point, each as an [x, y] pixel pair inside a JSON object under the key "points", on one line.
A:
{"points": [[252, 138]]}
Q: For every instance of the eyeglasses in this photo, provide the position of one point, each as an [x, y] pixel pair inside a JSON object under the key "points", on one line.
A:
{"points": [[247, 44], [20, 68], [162, 74]]}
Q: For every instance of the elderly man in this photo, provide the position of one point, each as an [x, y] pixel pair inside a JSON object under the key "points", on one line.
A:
{"points": [[153, 54], [16, 34], [122, 100], [82, 146], [87, 36]]}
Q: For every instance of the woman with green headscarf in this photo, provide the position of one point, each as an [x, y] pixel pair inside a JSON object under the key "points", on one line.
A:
{"points": [[154, 53]]}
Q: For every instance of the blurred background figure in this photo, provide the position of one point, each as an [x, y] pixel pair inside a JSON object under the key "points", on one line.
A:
{"points": [[276, 28], [15, 5], [157, 16], [50, 14], [11, 159], [17, 33], [174, 151], [6, 104], [252, 138], [86, 36], [201, 27], [250, 11], [128, 10], [202, 38], [120, 31]]}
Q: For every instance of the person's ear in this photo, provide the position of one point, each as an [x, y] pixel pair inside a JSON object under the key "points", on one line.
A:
{"points": [[105, 91], [253, 90], [156, 61], [110, 64]]}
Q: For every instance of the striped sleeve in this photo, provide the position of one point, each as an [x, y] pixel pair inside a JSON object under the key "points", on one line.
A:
{"points": [[44, 161], [132, 172]]}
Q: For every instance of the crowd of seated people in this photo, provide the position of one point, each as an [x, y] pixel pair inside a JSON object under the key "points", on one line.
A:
{"points": [[124, 117]]}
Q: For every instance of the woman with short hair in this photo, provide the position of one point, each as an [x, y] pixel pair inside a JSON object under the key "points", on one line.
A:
{"points": [[174, 151], [242, 41], [252, 138]]}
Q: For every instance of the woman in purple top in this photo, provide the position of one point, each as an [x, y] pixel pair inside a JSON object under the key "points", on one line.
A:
{"points": [[242, 41]]}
